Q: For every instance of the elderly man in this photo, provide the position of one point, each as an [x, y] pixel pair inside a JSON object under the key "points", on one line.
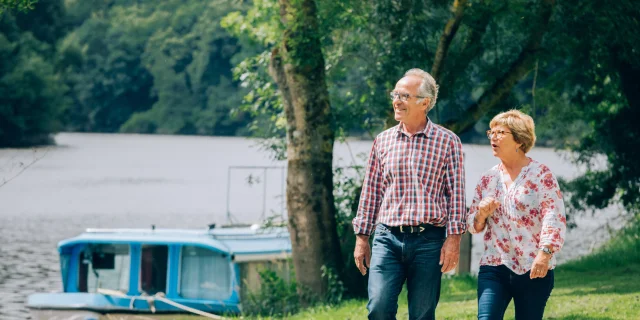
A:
{"points": [[413, 199]]}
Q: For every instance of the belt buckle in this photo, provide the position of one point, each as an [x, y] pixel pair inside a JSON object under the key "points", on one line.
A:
{"points": [[401, 229]]}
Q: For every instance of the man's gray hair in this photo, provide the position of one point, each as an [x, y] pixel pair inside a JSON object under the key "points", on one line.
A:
{"points": [[428, 87]]}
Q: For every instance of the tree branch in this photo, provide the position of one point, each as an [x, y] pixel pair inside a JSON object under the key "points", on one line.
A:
{"points": [[518, 69], [24, 168], [450, 30]]}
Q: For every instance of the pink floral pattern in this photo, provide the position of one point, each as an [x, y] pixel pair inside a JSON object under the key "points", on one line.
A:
{"points": [[531, 214]]}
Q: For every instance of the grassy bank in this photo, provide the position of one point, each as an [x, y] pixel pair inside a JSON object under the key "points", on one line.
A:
{"points": [[604, 285]]}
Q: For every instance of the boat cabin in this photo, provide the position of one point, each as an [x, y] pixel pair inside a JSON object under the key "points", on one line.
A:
{"points": [[208, 270]]}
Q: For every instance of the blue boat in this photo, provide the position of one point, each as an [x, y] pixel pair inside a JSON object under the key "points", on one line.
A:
{"points": [[147, 272]]}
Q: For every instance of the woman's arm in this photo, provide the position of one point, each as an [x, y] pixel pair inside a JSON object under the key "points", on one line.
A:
{"points": [[554, 220], [481, 208]]}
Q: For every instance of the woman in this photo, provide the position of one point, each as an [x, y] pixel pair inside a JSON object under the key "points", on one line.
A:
{"points": [[519, 206]]}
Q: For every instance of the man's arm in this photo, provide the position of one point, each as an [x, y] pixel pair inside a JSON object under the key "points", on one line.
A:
{"points": [[365, 219], [370, 196], [454, 185], [456, 215]]}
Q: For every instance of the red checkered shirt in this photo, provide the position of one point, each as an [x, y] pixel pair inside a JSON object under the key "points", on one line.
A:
{"points": [[412, 180]]}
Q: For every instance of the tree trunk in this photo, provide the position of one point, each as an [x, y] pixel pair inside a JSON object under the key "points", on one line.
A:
{"points": [[297, 66], [518, 69]]}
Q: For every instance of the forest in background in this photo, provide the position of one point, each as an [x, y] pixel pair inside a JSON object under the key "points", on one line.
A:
{"points": [[189, 67]]}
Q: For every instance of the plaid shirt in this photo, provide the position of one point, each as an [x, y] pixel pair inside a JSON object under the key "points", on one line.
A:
{"points": [[412, 180]]}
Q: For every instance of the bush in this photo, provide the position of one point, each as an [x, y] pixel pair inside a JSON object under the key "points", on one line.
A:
{"points": [[275, 298]]}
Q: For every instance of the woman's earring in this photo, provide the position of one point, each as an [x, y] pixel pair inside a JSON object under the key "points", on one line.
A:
{"points": [[516, 149]]}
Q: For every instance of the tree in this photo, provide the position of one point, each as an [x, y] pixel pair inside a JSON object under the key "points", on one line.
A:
{"points": [[152, 68], [297, 65], [20, 5], [31, 91], [600, 45]]}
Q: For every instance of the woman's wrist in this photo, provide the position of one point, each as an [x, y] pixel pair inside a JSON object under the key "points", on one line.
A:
{"points": [[481, 218], [478, 223]]}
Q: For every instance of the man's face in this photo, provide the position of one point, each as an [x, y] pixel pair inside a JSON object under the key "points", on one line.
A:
{"points": [[409, 111]]}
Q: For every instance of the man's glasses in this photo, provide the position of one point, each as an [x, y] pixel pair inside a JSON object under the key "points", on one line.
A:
{"points": [[499, 133], [404, 97]]}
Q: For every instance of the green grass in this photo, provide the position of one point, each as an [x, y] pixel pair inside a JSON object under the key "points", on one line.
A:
{"points": [[604, 285]]}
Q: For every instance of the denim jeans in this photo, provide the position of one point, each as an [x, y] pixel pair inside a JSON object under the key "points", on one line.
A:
{"points": [[397, 257], [497, 285]]}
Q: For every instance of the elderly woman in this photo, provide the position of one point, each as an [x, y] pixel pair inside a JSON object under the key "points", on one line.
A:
{"points": [[519, 206]]}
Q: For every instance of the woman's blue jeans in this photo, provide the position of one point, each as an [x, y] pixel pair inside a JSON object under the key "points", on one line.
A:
{"points": [[397, 257], [497, 285]]}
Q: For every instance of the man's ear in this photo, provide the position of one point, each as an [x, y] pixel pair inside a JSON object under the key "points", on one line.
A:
{"points": [[426, 103]]}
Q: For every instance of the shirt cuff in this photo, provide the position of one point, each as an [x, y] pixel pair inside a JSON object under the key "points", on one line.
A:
{"points": [[456, 227], [366, 230]]}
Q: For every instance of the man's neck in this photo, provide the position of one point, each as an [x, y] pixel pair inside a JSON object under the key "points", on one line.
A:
{"points": [[413, 128]]}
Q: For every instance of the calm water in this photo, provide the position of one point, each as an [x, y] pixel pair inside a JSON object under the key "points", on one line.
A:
{"points": [[101, 181]]}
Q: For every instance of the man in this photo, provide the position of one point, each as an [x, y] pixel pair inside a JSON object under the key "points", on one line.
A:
{"points": [[413, 196]]}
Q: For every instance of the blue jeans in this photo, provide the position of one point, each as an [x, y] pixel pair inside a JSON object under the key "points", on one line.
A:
{"points": [[497, 285], [397, 257]]}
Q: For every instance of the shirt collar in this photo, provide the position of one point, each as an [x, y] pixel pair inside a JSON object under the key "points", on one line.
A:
{"points": [[427, 131]]}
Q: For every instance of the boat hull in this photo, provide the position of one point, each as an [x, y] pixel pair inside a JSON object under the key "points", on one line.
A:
{"points": [[54, 314]]}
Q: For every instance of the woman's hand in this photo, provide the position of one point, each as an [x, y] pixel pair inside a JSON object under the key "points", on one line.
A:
{"points": [[487, 207], [540, 265]]}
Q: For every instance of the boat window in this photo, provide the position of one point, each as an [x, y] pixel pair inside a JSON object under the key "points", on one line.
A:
{"points": [[204, 274], [153, 269], [65, 258], [104, 266]]}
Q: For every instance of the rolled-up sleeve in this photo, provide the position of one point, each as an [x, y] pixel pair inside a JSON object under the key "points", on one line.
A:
{"points": [[454, 188], [554, 221], [371, 195]]}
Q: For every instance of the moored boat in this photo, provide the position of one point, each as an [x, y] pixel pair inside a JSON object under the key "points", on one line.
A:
{"points": [[143, 273]]}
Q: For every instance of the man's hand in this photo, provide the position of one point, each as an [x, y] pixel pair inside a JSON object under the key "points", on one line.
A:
{"points": [[362, 253], [450, 252], [540, 265]]}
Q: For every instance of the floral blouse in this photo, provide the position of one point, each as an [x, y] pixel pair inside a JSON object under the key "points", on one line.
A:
{"points": [[530, 215]]}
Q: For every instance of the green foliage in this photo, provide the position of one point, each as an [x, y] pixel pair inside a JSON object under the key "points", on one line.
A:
{"points": [[20, 5], [261, 25], [263, 102], [347, 188], [276, 296], [149, 68], [31, 90], [368, 45], [602, 72], [336, 289]]}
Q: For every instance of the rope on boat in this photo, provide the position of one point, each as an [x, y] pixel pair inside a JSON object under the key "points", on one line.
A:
{"points": [[161, 297]]}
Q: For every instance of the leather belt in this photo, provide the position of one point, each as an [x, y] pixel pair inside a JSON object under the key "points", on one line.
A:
{"points": [[413, 229]]}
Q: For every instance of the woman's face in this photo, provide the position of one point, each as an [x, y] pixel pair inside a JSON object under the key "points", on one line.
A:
{"points": [[502, 143]]}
